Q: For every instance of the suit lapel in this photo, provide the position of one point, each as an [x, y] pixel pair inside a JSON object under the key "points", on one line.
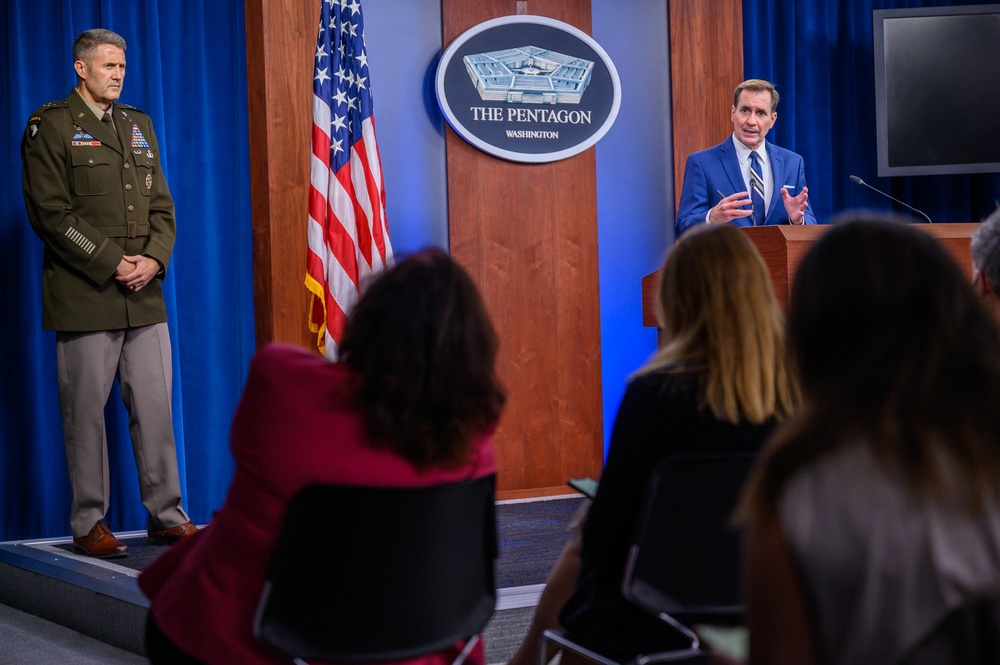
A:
{"points": [[731, 165], [777, 179]]}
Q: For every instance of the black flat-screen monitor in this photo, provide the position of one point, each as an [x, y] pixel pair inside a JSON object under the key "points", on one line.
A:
{"points": [[937, 90]]}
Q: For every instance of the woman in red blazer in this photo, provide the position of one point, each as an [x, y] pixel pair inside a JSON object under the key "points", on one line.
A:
{"points": [[412, 402]]}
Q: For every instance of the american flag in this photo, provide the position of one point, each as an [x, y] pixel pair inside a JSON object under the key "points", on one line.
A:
{"points": [[348, 235]]}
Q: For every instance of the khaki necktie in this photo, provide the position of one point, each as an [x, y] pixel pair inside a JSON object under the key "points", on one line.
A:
{"points": [[106, 119]]}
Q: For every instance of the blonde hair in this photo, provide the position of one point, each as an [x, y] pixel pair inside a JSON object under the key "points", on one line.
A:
{"points": [[718, 309]]}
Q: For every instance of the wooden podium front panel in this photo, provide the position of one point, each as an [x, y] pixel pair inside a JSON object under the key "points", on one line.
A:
{"points": [[784, 247], [781, 247], [957, 239]]}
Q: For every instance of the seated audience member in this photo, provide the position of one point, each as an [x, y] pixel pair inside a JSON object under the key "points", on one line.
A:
{"points": [[874, 511], [719, 384], [412, 402], [986, 261]]}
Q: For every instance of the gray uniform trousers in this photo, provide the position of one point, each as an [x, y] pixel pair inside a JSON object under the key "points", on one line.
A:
{"points": [[87, 364]]}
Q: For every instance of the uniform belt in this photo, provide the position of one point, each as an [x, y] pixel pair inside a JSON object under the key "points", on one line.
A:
{"points": [[127, 230]]}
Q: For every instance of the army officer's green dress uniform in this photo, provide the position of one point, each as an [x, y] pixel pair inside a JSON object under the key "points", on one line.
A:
{"points": [[94, 193]]}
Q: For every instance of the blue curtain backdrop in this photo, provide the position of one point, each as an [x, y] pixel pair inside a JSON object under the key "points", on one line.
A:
{"points": [[819, 55], [186, 69]]}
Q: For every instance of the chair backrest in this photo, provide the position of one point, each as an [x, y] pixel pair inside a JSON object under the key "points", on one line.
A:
{"points": [[365, 574], [685, 557], [968, 635]]}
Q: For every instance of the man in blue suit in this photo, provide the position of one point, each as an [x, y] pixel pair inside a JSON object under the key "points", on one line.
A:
{"points": [[745, 180]]}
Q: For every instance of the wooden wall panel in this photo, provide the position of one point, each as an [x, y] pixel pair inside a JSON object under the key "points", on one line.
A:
{"points": [[281, 39], [706, 52], [528, 235]]}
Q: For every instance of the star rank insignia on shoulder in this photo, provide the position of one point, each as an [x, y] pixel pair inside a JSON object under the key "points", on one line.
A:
{"points": [[121, 107]]}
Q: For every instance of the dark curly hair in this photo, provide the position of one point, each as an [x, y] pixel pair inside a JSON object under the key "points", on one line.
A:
{"points": [[424, 350]]}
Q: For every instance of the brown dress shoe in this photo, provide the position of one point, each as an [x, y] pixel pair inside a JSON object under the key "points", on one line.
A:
{"points": [[171, 535], [100, 543]]}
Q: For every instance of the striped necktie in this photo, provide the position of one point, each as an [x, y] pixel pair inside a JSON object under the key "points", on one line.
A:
{"points": [[756, 189]]}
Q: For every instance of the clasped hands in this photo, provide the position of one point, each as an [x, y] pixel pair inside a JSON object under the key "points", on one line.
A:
{"points": [[136, 271], [735, 205]]}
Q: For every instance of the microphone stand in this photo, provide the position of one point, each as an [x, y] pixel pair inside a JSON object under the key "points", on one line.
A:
{"points": [[858, 181]]}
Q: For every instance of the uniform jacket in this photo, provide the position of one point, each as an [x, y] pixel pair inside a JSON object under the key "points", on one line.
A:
{"points": [[717, 169], [92, 200]]}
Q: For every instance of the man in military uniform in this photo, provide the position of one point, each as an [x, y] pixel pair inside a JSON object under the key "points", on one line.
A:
{"points": [[97, 198]]}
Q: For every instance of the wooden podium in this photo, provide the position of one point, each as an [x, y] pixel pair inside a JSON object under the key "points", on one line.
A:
{"points": [[782, 248]]}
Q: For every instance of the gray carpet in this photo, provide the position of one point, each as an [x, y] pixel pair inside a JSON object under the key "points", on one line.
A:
{"points": [[27, 640], [504, 633], [531, 535]]}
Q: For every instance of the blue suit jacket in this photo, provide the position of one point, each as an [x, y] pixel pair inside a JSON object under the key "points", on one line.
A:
{"points": [[717, 169]]}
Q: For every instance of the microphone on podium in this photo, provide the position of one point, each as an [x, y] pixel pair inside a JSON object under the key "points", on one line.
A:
{"points": [[858, 181]]}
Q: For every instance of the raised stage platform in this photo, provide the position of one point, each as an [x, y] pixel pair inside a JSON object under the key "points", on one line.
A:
{"points": [[101, 599]]}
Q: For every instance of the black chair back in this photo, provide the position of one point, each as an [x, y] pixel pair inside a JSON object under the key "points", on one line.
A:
{"points": [[685, 558], [365, 574]]}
